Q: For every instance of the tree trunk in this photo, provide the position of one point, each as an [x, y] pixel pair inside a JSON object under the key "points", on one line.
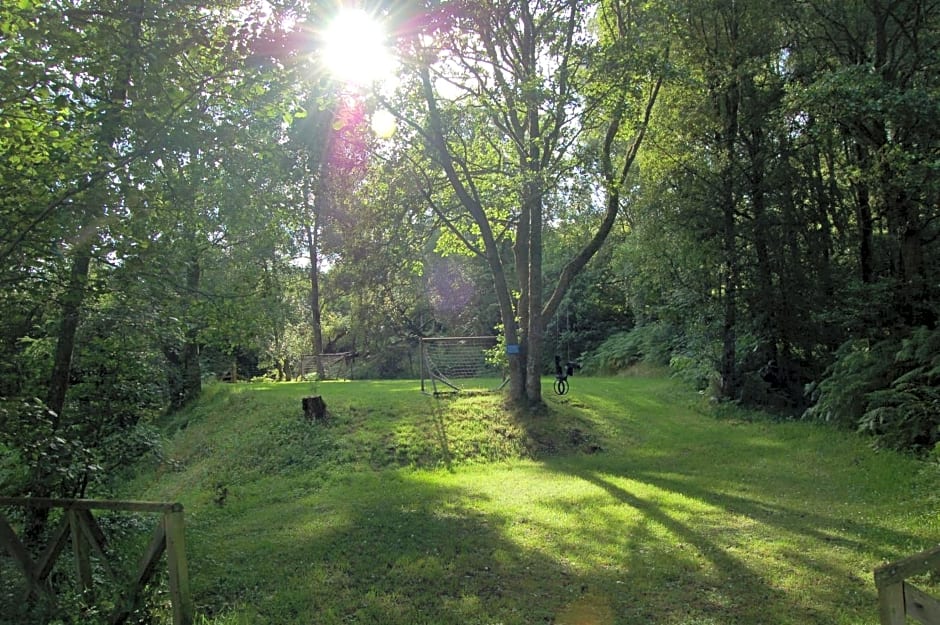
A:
{"points": [[919, 311], [316, 323], [313, 207], [866, 223], [533, 198], [517, 387], [516, 356], [536, 326], [766, 305], [189, 375], [728, 370], [72, 301], [823, 202], [728, 107]]}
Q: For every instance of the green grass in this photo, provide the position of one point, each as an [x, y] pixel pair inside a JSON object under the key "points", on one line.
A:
{"points": [[626, 501]]}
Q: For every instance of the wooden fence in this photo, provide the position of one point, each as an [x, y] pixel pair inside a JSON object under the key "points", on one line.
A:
{"points": [[897, 599], [79, 526]]}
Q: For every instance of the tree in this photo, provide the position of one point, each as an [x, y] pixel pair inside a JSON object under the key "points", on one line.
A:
{"points": [[532, 82], [874, 87], [332, 147], [103, 91]]}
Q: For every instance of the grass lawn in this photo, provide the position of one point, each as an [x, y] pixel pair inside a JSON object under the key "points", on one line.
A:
{"points": [[628, 501]]}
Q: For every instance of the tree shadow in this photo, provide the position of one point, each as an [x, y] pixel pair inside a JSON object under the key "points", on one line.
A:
{"points": [[682, 570], [408, 548], [381, 548], [737, 585], [401, 546], [440, 433], [858, 534]]}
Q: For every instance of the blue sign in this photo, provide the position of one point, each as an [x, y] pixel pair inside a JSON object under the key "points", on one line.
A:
{"points": [[512, 349]]}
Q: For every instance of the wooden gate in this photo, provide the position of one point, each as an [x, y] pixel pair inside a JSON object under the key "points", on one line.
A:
{"points": [[79, 526]]}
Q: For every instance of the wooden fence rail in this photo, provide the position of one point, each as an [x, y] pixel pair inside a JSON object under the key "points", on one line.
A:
{"points": [[897, 599], [78, 525]]}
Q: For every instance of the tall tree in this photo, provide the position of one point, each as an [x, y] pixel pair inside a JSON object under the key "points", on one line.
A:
{"points": [[101, 88], [875, 85], [528, 86]]}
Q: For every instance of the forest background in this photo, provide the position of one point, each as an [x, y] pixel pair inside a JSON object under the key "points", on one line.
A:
{"points": [[185, 191]]}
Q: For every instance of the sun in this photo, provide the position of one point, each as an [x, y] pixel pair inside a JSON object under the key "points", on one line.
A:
{"points": [[355, 49]]}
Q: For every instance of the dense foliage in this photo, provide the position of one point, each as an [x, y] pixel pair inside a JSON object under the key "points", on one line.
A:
{"points": [[786, 217], [891, 383]]}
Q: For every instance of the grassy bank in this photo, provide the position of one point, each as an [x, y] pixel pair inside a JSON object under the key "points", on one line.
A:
{"points": [[624, 502]]}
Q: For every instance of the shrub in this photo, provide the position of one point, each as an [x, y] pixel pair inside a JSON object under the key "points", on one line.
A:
{"points": [[696, 372], [861, 367], [651, 343], [906, 415], [37, 453], [888, 388]]}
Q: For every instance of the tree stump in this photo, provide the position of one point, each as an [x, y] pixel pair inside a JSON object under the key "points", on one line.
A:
{"points": [[314, 408]]}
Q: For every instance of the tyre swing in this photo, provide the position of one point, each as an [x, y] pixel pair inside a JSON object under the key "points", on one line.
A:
{"points": [[562, 373], [561, 377]]}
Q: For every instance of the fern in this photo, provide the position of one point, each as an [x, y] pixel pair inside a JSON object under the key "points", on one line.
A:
{"points": [[860, 368], [889, 389], [906, 415], [650, 343]]}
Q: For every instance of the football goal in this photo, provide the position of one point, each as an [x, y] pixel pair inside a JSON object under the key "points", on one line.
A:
{"points": [[459, 364], [336, 366]]}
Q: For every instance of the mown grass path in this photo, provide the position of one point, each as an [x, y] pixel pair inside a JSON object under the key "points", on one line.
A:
{"points": [[625, 503]]}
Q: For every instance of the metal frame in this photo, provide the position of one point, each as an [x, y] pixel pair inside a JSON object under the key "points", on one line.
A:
{"points": [[430, 378]]}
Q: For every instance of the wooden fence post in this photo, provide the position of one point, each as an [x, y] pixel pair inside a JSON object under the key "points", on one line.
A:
{"points": [[176, 563], [80, 549], [891, 604], [898, 599], [79, 524], [11, 543]]}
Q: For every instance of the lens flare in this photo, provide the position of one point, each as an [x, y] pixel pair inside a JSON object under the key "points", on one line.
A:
{"points": [[355, 49], [384, 124]]}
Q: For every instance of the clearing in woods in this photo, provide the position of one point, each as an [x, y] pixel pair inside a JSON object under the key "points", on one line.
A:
{"points": [[629, 500]]}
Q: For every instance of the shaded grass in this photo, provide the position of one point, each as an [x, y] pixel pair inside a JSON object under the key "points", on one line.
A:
{"points": [[623, 502]]}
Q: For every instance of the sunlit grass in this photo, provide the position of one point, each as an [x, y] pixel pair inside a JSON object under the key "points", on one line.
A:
{"points": [[626, 501]]}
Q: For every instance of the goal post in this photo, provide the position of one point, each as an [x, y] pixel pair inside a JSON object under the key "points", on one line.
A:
{"points": [[457, 364]]}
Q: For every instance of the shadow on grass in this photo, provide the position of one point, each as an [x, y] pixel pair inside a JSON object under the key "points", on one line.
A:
{"points": [[390, 548], [682, 571], [400, 548], [699, 564], [394, 547], [440, 434], [381, 548]]}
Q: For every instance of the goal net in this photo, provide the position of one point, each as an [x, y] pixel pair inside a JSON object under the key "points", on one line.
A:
{"points": [[336, 366], [456, 364]]}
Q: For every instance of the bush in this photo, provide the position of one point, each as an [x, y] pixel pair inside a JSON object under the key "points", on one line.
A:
{"points": [[651, 343], [889, 389], [37, 453], [695, 372], [861, 367], [906, 415]]}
